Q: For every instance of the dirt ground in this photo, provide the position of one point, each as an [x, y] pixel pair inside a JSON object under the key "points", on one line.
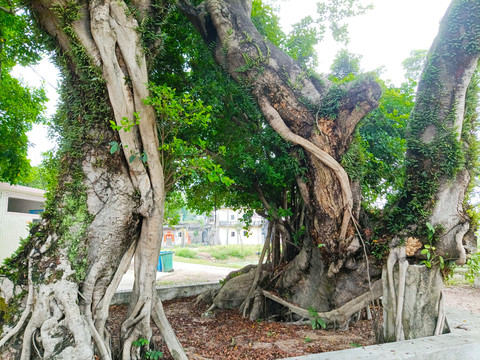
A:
{"points": [[227, 335], [462, 297]]}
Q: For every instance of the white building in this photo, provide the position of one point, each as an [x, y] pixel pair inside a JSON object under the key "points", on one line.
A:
{"points": [[19, 206], [227, 228]]}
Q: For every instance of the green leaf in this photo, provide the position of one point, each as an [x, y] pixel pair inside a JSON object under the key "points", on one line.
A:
{"points": [[442, 262], [144, 157], [424, 251], [114, 146], [430, 227], [131, 158]]}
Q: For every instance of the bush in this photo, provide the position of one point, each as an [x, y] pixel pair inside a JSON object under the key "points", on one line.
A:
{"points": [[186, 253], [238, 251]]}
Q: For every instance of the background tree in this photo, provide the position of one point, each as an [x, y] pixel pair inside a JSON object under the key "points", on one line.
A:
{"points": [[20, 106]]}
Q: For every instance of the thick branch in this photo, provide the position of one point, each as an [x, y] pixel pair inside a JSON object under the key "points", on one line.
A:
{"points": [[277, 123]]}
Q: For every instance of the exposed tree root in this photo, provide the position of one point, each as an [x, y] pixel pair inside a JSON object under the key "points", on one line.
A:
{"points": [[441, 316], [339, 316], [102, 309], [397, 254], [26, 312]]}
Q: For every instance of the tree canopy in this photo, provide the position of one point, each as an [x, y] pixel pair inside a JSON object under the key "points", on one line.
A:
{"points": [[20, 105]]}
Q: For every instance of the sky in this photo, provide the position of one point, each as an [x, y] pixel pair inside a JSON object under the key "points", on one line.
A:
{"points": [[384, 36]]}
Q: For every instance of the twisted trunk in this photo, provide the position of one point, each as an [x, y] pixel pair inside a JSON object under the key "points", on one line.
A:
{"points": [[123, 199], [294, 102]]}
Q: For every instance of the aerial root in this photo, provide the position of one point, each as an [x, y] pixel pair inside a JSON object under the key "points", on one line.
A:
{"points": [[246, 303], [397, 254], [441, 316], [277, 123], [161, 321]]}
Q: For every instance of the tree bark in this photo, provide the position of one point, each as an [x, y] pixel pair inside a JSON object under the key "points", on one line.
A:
{"points": [[124, 199], [291, 101], [436, 147]]}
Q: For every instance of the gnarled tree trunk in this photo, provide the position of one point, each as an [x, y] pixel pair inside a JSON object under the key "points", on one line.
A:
{"points": [[294, 104], [440, 134], [115, 208]]}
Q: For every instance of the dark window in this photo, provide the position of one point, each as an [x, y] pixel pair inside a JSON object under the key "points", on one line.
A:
{"points": [[24, 206]]}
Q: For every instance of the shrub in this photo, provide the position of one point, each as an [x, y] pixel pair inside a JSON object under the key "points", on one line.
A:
{"points": [[186, 253]]}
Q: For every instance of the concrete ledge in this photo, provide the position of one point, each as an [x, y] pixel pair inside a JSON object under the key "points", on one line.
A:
{"points": [[462, 343], [168, 292]]}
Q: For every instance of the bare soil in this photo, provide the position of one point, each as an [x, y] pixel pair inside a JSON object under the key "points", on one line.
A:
{"points": [[463, 297], [228, 335]]}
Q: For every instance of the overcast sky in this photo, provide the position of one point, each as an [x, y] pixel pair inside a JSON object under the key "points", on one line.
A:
{"points": [[384, 36]]}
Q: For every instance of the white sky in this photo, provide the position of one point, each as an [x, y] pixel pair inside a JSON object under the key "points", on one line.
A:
{"points": [[384, 36]]}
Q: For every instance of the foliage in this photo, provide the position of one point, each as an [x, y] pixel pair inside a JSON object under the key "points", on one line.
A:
{"points": [[429, 249], [181, 123], [146, 352], [344, 64], [439, 159], [20, 105], [332, 13], [473, 267], [186, 253], [44, 175], [414, 64], [315, 320]]}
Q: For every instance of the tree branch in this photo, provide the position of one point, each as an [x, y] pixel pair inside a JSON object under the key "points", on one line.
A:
{"points": [[277, 123], [8, 11]]}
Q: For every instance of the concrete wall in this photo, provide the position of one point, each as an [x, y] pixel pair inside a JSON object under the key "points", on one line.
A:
{"points": [[229, 229], [15, 204]]}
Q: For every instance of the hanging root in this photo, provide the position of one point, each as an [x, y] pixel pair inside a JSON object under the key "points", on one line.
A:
{"points": [[337, 316], [277, 123], [397, 254], [441, 316], [161, 321], [246, 303]]}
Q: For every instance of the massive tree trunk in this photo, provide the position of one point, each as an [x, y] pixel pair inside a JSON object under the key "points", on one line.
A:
{"points": [[440, 139], [298, 106], [108, 207]]}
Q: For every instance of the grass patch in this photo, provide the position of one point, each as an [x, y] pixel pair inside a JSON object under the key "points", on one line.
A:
{"points": [[236, 251], [205, 262], [186, 253]]}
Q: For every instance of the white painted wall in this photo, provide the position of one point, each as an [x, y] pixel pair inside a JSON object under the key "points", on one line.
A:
{"points": [[230, 231], [14, 220]]}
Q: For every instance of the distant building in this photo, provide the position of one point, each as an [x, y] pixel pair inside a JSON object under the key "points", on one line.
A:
{"points": [[19, 206], [226, 227]]}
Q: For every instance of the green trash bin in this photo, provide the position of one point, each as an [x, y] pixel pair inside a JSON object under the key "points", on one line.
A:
{"points": [[165, 261]]}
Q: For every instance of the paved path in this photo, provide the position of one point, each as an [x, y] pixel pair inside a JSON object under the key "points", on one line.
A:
{"points": [[183, 273]]}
